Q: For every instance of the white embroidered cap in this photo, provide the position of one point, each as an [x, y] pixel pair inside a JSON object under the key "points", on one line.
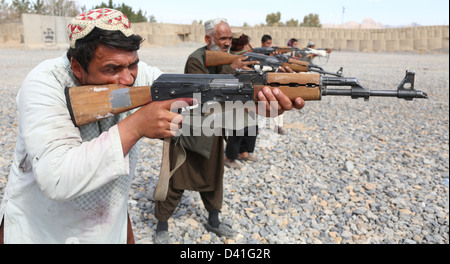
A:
{"points": [[103, 18]]}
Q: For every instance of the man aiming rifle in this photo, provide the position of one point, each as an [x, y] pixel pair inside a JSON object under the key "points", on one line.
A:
{"points": [[70, 184]]}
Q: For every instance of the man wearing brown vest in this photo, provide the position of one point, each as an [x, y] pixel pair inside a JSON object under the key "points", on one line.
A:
{"points": [[204, 166]]}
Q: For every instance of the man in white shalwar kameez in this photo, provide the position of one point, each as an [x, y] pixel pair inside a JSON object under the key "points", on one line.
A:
{"points": [[71, 184]]}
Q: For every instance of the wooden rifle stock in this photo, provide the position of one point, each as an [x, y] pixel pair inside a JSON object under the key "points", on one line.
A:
{"points": [[283, 49], [92, 103], [217, 58], [297, 65]]}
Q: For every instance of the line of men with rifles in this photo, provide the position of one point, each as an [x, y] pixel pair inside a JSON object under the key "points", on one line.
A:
{"points": [[81, 117]]}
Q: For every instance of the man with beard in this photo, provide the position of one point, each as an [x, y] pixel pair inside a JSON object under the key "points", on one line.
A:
{"points": [[204, 166]]}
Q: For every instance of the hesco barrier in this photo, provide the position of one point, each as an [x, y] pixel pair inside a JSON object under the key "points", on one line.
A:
{"points": [[40, 32]]}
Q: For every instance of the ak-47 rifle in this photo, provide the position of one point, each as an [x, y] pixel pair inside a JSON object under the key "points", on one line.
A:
{"points": [[302, 54], [278, 59], [267, 63], [91, 103]]}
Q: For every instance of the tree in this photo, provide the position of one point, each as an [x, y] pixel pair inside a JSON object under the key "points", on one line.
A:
{"points": [[6, 11], [273, 20], [66, 8], [39, 8], [21, 6], [152, 19], [292, 23], [141, 16], [311, 20]]}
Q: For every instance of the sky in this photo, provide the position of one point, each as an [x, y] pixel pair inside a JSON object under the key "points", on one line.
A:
{"points": [[253, 12], [387, 12]]}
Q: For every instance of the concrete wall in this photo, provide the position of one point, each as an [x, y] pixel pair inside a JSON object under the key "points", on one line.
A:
{"points": [[11, 33], [433, 38], [169, 34], [39, 32], [45, 31]]}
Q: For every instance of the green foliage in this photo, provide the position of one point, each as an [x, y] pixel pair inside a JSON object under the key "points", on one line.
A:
{"points": [[49, 7], [21, 6], [152, 19], [292, 23], [39, 7], [273, 20], [67, 8], [311, 20]]}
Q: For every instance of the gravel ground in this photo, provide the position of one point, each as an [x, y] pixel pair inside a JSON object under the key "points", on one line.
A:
{"points": [[347, 172]]}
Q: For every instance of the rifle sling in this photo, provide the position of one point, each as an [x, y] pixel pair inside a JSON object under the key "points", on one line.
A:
{"points": [[160, 192]]}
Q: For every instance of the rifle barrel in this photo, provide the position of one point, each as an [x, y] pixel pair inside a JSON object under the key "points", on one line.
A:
{"points": [[358, 91], [379, 93]]}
